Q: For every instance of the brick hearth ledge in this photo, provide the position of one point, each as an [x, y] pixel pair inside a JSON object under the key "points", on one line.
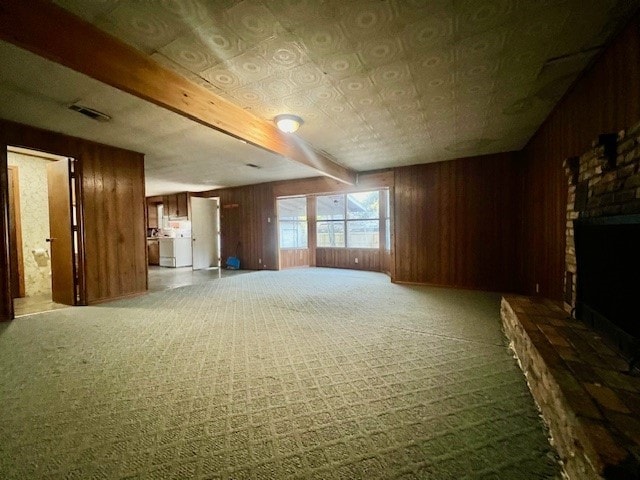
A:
{"points": [[588, 401]]}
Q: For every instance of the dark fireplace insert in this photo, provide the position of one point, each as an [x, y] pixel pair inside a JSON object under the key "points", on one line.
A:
{"points": [[608, 279]]}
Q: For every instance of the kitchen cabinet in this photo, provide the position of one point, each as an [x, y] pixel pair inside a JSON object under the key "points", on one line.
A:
{"points": [[152, 212], [176, 205], [152, 215], [182, 205], [170, 203], [153, 247]]}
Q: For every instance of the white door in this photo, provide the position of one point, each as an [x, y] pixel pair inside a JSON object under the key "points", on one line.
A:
{"points": [[204, 232]]}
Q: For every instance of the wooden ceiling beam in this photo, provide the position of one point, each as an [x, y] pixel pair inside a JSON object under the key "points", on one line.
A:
{"points": [[57, 35]]}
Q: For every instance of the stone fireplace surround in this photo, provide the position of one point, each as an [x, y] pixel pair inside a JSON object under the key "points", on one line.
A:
{"points": [[579, 380], [601, 187]]}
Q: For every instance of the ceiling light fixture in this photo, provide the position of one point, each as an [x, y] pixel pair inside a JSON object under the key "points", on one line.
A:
{"points": [[288, 123]]}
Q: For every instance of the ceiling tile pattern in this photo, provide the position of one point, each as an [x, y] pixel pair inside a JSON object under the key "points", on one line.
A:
{"points": [[379, 83], [180, 155]]}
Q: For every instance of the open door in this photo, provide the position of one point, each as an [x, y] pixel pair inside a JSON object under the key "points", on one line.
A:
{"points": [[204, 232], [61, 232], [15, 235]]}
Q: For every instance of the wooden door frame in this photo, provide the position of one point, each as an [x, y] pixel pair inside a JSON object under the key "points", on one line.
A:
{"points": [[14, 201], [80, 272], [6, 300]]}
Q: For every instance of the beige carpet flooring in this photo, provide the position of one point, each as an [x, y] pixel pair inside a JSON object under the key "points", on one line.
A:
{"points": [[311, 373]]}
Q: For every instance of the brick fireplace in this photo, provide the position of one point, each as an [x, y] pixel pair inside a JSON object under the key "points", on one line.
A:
{"points": [[578, 371], [602, 256]]}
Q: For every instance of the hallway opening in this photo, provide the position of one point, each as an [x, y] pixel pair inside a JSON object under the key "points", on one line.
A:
{"points": [[42, 231]]}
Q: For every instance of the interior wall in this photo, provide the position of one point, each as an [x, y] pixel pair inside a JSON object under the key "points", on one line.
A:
{"points": [[294, 257], [34, 214], [248, 225], [114, 211], [456, 223], [248, 216], [367, 258], [308, 186], [114, 222], [605, 99]]}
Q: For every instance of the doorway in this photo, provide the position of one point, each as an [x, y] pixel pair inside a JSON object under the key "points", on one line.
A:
{"points": [[205, 232], [43, 233]]}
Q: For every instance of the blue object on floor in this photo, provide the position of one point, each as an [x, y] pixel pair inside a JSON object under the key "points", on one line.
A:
{"points": [[233, 263]]}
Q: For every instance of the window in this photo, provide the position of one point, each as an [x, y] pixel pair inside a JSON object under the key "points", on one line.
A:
{"points": [[330, 215], [387, 221], [292, 222], [351, 220]]}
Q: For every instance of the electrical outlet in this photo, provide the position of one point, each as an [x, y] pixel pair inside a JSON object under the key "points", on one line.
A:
{"points": [[268, 219], [537, 288], [259, 260], [356, 260]]}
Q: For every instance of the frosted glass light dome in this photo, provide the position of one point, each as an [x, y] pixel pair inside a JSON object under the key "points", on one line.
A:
{"points": [[288, 123]]}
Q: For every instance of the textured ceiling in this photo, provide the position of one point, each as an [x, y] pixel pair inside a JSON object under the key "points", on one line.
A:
{"points": [[181, 155], [379, 82]]}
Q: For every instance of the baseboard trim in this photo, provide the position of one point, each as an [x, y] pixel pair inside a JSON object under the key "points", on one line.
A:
{"points": [[120, 297]]}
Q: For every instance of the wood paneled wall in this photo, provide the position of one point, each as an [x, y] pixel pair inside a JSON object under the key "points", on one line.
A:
{"points": [[248, 218], [308, 186], [114, 218], [605, 99], [385, 263], [114, 222], [455, 222], [294, 257], [248, 214], [368, 259]]}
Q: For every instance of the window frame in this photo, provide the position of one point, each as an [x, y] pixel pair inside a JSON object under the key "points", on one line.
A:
{"points": [[304, 223], [346, 220], [388, 234]]}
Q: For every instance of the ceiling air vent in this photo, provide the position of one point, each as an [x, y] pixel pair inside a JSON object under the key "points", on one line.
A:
{"points": [[90, 112]]}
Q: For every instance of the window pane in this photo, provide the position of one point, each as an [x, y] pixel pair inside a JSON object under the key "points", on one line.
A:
{"points": [[363, 234], [330, 207], [292, 208], [387, 241], [330, 234], [302, 235], [293, 234], [363, 205], [388, 198]]}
